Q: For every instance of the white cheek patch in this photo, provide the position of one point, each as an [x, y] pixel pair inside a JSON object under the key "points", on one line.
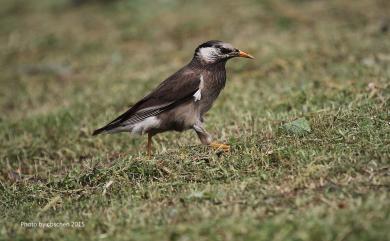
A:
{"points": [[208, 54], [145, 125]]}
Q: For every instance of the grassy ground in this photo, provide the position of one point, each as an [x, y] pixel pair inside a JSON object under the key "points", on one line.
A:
{"points": [[68, 70]]}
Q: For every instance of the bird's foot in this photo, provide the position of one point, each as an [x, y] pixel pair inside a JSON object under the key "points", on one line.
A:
{"points": [[219, 146]]}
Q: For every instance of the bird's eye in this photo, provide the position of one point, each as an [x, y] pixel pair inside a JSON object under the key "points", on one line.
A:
{"points": [[225, 50]]}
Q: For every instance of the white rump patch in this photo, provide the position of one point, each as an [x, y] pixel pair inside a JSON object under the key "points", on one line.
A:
{"points": [[145, 125], [208, 54], [198, 94]]}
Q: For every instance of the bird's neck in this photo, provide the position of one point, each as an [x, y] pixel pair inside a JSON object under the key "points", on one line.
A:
{"points": [[200, 64]]}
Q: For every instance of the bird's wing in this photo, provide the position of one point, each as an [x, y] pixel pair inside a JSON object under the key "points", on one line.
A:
{"points": [[178, 88]]}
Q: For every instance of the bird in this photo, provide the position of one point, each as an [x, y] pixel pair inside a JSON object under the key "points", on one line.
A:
{"points": [[180, 102]]}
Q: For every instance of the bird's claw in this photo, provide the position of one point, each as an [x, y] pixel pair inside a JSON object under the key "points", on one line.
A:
{"points": [[220, 147]]}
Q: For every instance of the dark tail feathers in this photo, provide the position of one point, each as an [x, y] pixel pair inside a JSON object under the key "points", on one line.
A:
{"points": [[98, 131]]}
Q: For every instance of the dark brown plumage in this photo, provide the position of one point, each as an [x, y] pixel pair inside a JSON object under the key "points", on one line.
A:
{"points": [[181, 100]]}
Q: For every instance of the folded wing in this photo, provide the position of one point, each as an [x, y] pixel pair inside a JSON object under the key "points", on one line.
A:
{"points": [[175, 90]]}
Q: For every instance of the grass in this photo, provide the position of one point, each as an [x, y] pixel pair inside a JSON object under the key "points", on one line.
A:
{"points": [[68, 70]]}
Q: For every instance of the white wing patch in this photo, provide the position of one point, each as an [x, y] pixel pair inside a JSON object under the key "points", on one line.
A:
{"points": [[155, 107], [198, 94]]}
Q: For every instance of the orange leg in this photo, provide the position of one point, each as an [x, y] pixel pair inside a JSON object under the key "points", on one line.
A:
{"points": [[149, 146], [205, 138], [220, 146]]}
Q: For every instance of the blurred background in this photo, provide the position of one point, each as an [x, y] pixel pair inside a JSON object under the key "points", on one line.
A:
{"points": [[54, 50], [58, 53], [93, 58], [69, 66]]}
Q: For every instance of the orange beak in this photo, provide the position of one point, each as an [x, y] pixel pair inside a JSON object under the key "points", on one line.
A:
{"points": [[245, 55]]}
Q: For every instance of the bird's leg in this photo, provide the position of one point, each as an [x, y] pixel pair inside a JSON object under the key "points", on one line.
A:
{"points": [[205, 138], [220, 146], [149, 145]]}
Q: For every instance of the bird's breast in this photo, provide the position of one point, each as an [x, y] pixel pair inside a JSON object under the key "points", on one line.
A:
{"points": [[213, 85]]}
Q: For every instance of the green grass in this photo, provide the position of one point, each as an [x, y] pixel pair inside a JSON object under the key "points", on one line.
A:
{"points": [[68, 70]]}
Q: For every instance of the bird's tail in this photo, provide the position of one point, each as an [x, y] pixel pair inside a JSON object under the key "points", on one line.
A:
{"points": [[106, 129], [99, 131]]}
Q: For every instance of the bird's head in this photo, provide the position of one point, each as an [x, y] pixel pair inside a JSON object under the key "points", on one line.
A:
{"points": [[215, 51]]}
